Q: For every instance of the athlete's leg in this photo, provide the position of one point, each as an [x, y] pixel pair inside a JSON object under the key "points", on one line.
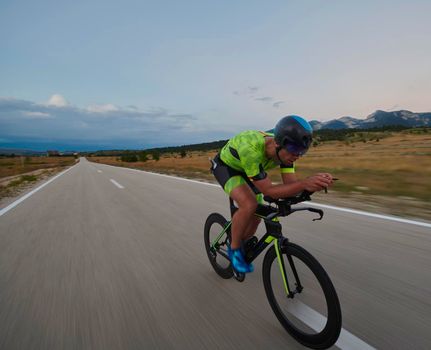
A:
{"points": [[237, 186], [244, 216], [254, 221], [251, 228]]}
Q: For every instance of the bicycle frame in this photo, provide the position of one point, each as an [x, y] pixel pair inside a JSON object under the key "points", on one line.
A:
{"points": [[284, 254], [270, 215], [273, 233], [272, 225]]}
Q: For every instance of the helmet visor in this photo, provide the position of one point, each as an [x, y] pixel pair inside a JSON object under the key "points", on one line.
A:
{"points": [[296, 149]]}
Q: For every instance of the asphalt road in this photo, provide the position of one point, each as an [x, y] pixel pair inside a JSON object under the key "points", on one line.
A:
{"points": [[85, 264]]}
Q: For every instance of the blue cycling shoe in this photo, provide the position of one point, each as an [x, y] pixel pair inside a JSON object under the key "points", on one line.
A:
{"points": [[238, 262]]}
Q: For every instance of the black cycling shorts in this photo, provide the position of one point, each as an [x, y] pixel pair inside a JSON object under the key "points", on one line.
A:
{"points": [[229, 178]]}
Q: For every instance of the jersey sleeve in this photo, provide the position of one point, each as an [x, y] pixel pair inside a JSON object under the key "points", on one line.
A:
{"points": [[253, 168], [287, 169], [261, 175]]}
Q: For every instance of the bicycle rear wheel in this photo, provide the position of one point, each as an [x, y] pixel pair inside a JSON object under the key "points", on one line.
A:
{"points": [[306, 305], [217, 254]]}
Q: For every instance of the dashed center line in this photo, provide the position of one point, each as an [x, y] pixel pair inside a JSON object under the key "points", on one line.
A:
{"points": [[116, 183]]}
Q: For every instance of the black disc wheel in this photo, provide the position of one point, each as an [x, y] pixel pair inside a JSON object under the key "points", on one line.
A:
{"points": [[305, 302], [216, 237]]}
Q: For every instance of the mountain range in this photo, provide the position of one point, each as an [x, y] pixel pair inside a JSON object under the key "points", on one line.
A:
{"points": [[375, 120]]}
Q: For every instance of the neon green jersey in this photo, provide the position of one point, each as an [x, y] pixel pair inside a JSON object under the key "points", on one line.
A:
{"points": [[245, 152]]}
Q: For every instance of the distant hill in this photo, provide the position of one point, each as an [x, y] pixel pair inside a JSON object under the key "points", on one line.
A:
{"points": [[335, 129], [17, 151], [376, 120]]}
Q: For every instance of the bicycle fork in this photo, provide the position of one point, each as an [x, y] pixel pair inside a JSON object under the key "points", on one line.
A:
{"points": [[280, 260]]}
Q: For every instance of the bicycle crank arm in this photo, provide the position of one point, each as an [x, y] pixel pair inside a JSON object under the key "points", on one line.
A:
{"points": [[223, 254]]}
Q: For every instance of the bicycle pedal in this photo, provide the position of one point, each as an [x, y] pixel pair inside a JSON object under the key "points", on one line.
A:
{"points": [[239, 276]]}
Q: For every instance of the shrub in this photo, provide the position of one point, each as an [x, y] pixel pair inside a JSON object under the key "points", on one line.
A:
{"points": [[22, 179], [143, 157], [129, 158], [156, 155], [29, 178]]}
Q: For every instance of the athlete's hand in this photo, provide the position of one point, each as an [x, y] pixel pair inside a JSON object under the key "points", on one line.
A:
{"points": [[328, 176], [317, 182]]}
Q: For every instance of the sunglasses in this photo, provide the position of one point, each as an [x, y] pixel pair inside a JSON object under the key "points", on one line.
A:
{"points": [[295, 149]]}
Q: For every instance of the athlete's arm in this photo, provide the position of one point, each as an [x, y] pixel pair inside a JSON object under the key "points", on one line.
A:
{"points": [[312, 184], [288, 173], [288, 178]]}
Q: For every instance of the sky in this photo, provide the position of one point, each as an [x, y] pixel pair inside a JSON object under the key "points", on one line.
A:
{"points": [[87, 75]]}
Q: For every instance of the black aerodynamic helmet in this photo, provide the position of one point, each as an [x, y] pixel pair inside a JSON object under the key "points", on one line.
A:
{"points": [[294, 134]]}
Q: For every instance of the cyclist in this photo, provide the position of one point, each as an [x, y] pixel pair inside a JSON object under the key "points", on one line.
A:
{"points": [[240, 168]]}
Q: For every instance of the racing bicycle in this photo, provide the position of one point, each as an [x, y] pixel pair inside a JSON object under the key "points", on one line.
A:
{"points": [[298, 288]]}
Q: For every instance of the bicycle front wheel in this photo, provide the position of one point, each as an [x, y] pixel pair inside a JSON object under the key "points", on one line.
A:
{"points": [[304, 301]]}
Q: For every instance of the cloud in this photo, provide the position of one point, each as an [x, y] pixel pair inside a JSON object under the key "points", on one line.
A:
{"points": [[101, 124], [37, 115], [263, 99], [250, 92], [253, 89], [102, 108], [57, 101]]}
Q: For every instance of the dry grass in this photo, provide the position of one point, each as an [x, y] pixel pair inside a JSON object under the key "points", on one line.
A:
{"points": [[194, 165], [20, 173], [22, 165], [398, 165], [393, 173]]}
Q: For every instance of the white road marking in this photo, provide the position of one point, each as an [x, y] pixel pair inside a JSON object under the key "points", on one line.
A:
{"points": [[306, 314], [171, 176], [317, 321], [99, 171], [365, 213], [23, 198], [164, 175], [116, 184], [309, 316], [348, 210]]}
